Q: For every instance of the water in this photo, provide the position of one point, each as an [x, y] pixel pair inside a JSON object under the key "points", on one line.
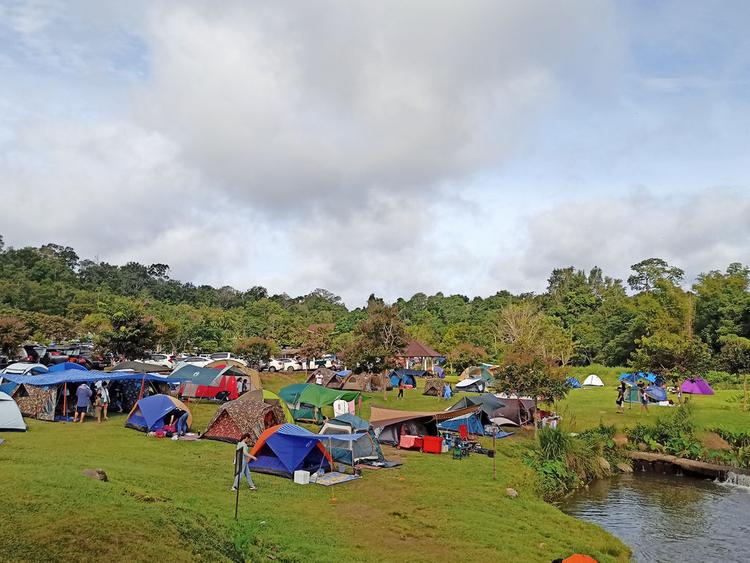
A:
{"points": [[668, 517]]}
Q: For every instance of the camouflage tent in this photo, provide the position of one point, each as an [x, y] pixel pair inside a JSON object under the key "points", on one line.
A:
{"points": [[434, 387], [246, 415], [357, 382], [380, 382], [330, 378]]}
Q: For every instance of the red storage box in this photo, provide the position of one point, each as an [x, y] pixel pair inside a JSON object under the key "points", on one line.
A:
{"points": [[432, 444]]}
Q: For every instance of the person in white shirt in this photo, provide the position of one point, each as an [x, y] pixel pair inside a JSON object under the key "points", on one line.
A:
{"points": [[102, 402]]}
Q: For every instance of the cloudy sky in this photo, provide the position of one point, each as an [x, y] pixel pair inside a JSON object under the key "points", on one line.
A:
{"points": [[388, 147]]}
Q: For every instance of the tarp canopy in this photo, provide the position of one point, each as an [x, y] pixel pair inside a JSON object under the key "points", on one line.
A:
{"points": [[472, 422], [315, 395], [67, 365], [634, 377], [140, 367], [696, 386], [10, 415], [380, 417], [78, 376], [148, 413]]}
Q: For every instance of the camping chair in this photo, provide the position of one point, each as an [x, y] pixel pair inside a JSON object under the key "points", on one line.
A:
{"points": [[461, 444]]}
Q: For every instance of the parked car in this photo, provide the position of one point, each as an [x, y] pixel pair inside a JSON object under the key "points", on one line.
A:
{"points": [[327, 361], [166, 360], [283, 364], [227, 356]]}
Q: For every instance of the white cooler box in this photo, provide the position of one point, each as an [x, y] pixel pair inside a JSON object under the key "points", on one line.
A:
{"points": [[302, 477]]}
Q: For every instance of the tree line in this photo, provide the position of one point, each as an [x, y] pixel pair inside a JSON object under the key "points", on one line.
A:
{"points": [[650, 321]]}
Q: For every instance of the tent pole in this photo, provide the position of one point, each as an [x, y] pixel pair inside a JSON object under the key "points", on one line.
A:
{"points": [[143, 384], [494, 454], [65, 399], [237, 470]]}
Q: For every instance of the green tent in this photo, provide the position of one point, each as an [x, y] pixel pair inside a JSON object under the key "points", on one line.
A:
{"points": [[306, 400], [273, 396]]}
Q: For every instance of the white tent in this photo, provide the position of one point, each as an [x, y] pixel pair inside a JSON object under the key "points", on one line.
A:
{"points": [[593, 381], [10, 414]]}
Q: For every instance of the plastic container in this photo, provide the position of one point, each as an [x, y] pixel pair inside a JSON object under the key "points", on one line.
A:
{"points": [[302, 477]]}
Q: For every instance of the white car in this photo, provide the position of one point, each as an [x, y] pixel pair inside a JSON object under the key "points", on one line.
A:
{"points": [[325, 362], [283, 364], [227, 356], [166, 360]]}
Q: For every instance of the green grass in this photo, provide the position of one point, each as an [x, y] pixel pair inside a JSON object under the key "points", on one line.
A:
{"points": [[170, 501], [586, 407]]}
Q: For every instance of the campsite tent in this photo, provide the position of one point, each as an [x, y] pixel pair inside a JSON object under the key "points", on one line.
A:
{"points": [[485, 371], [408, 375], [390, 424], [655, 393], [150, 413], [357, 382], [249, 414], [380, 382], [305, 400], [25, 368], [10, 415], [328, 378], [593, 381], [240, 370], [207, 383], [271, 397], [433, 387], [286, 448], [67, 365], [696, 386], [573, 383], [490, 408], [520, 410], [477, 385], [52, 395], [365, 448]]}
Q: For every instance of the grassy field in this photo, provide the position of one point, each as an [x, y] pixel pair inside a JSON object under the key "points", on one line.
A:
{"points": [[586, 407], [170, 501]]}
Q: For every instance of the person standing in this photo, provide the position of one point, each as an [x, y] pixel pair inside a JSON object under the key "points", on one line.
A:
{"points": [[243, 453], [104, 400], [182, 424], [83, 395], [401, 388], [318, 378], [643, 398], [620, 401]]}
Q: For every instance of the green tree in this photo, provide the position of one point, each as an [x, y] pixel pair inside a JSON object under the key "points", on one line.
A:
{"points": [[651, 270], [378, 339], [673, 356], [131, 335], [465, 355], [735, 354], [13, 333], [722, 304], [254, 349]]}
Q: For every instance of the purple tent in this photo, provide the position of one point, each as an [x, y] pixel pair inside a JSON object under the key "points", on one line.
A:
{"points": [[696, 386]]}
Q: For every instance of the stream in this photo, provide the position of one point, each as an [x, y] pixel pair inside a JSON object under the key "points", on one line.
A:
{"points": [[668, 517]]}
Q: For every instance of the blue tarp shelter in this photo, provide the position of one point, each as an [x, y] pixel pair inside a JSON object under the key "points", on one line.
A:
{"points": [[633, 378], [67, 365], [656, 393], [286, 448], [78, 376], [150, 412], [472, 422], [573, 383]]}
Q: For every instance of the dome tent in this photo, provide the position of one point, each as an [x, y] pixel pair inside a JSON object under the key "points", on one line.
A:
{"points": [[10, 415], [593, 380], [150, 413]]}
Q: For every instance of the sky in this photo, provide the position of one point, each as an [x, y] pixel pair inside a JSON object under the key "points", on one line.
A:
{"points": [[389, 147]]}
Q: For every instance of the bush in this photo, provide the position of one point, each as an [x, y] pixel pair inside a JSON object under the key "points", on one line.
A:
{"points": [[724, 380], [673, 434]]}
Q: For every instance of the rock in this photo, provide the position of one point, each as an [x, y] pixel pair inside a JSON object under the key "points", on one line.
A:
{"points": [[642, 447], [624, 467], [620, 440], [95, 474], [604, 464], [512, 493]]}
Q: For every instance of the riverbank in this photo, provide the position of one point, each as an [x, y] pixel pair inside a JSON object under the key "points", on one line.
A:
{"points": [[669, 464]]}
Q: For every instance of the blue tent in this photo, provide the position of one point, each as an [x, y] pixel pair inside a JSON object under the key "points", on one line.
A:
{"points": [[286, 448], [67, 365], [150, 412], [409, 376], [656, 393], [8, 388], [573, 383]]}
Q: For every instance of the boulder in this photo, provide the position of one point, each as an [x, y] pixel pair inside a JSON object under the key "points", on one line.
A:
{"points": [[512, 493], [95, 474], [624, 467], [604, 464]]}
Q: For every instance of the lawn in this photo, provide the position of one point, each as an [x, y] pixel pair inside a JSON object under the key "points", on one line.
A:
{"points": [[586, 407]]}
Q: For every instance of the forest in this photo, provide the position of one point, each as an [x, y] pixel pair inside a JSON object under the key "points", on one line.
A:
{"points": [[651, 321]]}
